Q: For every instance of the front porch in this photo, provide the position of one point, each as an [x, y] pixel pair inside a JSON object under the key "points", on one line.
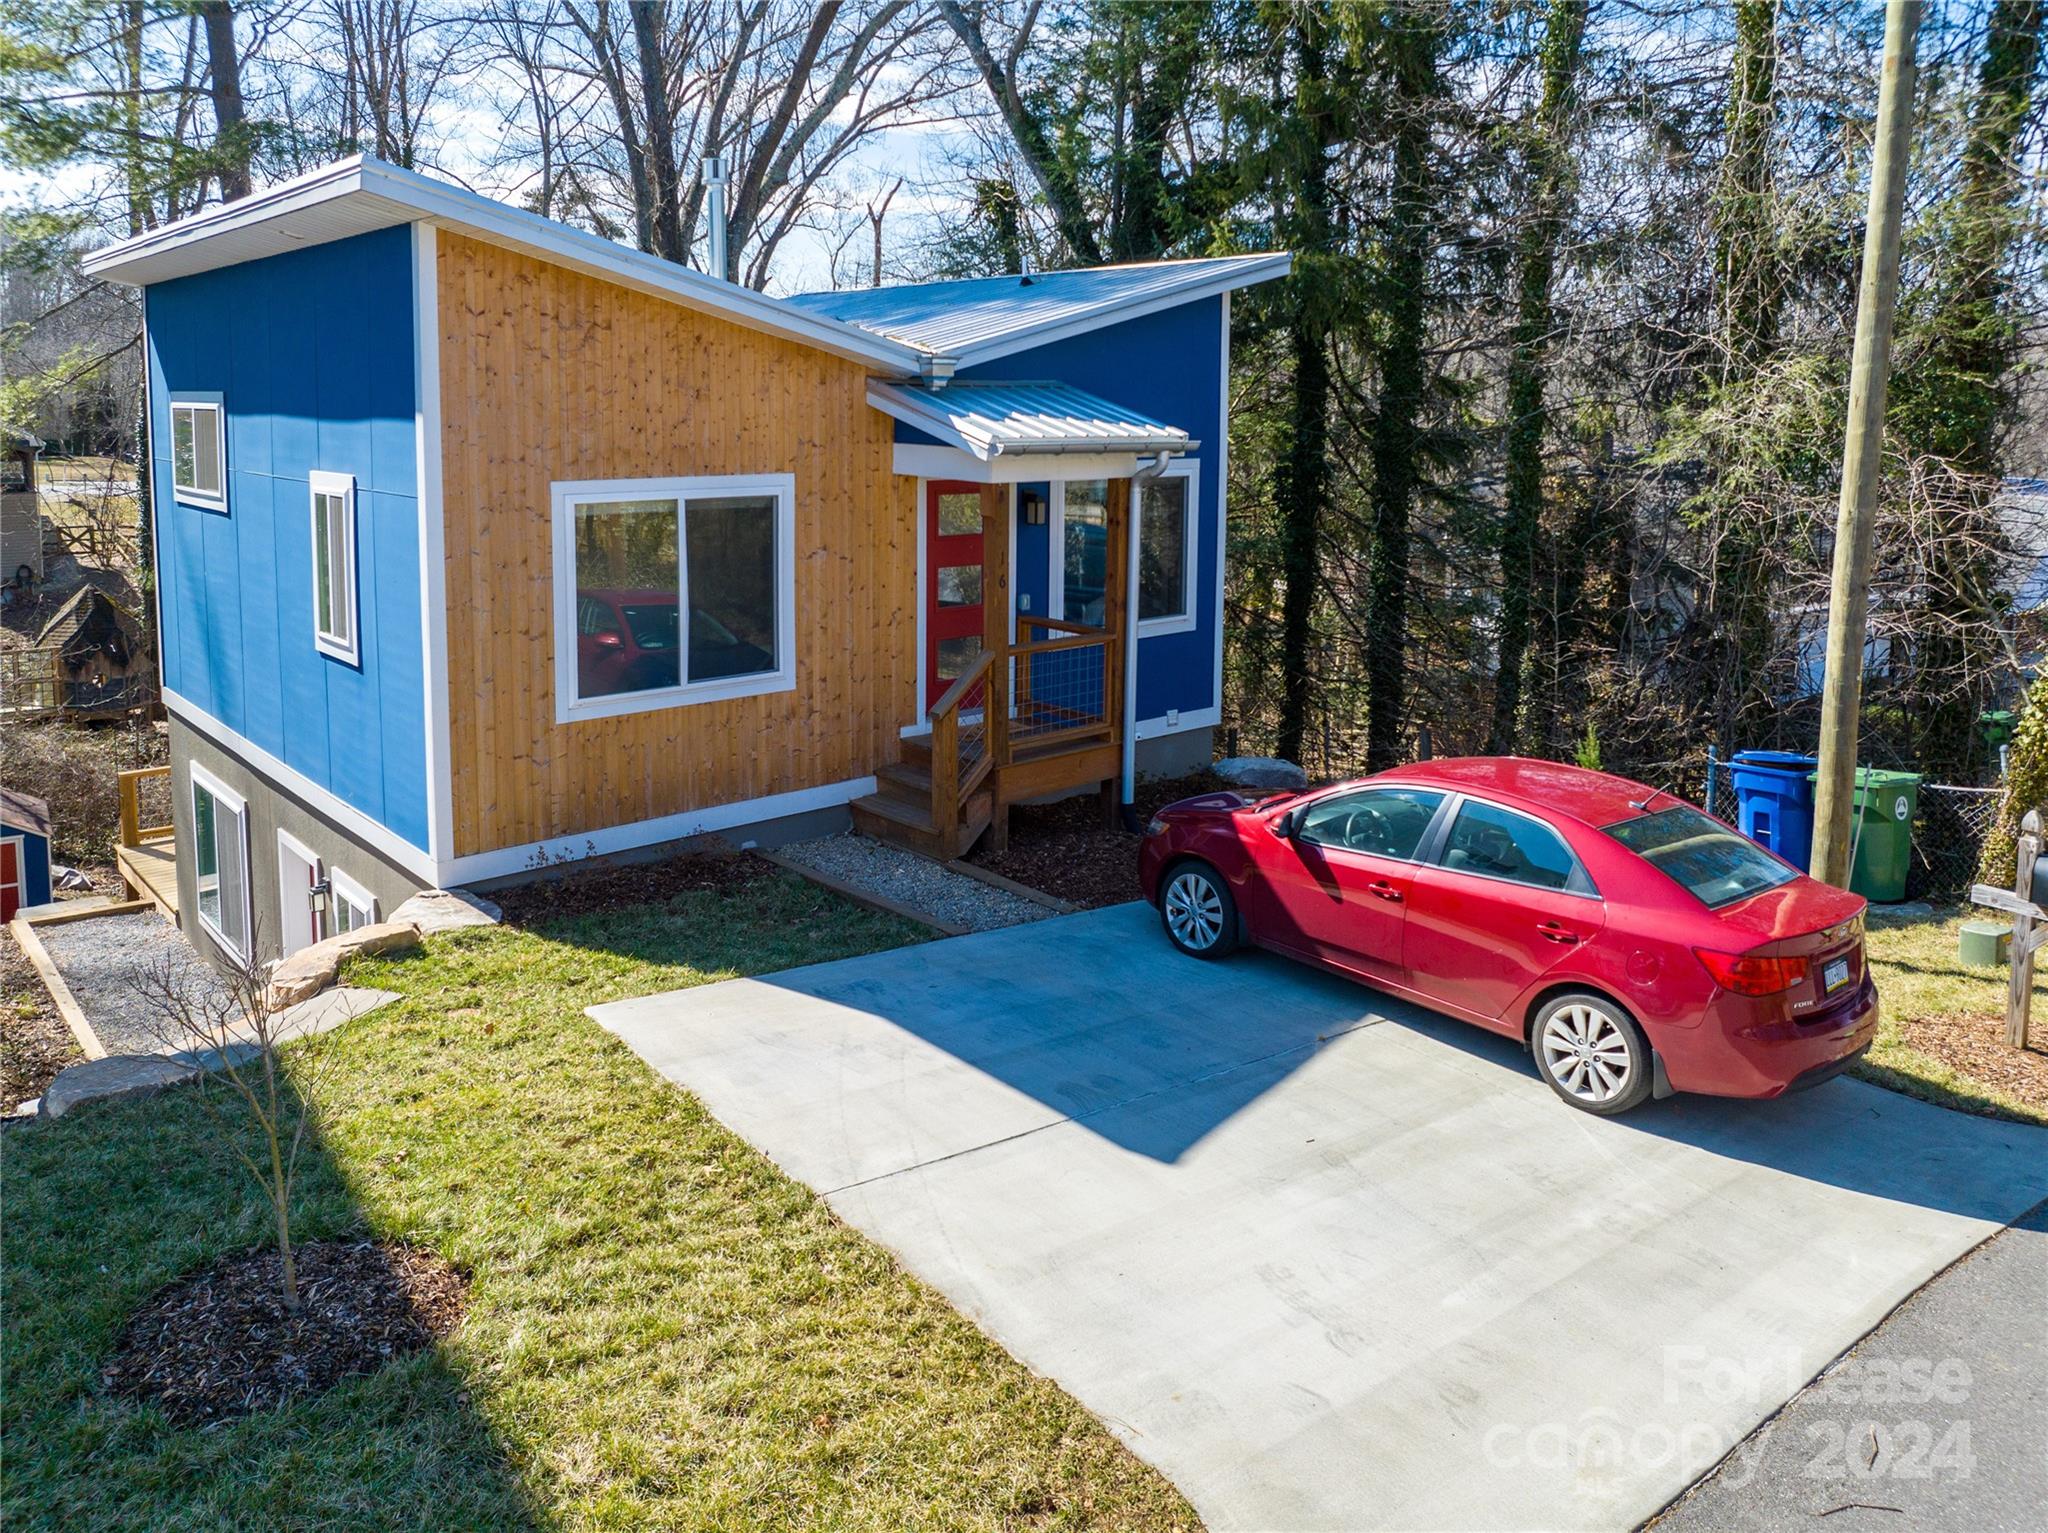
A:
{"points": [[1038, 710]]}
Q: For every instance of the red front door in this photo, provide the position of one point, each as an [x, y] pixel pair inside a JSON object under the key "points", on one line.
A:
{"points": [[952, 583]]}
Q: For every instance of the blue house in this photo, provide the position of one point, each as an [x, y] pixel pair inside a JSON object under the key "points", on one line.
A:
{"points": [[485, 543]]}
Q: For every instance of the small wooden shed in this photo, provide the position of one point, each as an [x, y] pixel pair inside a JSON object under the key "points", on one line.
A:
{"points": [[24, 852], [98, 655]]}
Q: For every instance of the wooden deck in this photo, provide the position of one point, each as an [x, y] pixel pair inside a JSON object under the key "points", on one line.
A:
{"points": [[151, 873], [148, 853]]}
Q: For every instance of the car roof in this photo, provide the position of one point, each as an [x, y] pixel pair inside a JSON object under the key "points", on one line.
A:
{"points": [[1597, 799]]}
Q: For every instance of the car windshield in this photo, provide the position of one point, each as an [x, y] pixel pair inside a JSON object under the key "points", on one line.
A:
{"points": [[1713, 863]]}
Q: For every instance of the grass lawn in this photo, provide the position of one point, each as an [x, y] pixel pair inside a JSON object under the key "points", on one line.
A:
{"points": [[1919, 977], [664, 1331]]}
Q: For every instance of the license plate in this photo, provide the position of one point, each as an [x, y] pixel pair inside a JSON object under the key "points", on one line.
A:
{"points": [[1834, 975]]}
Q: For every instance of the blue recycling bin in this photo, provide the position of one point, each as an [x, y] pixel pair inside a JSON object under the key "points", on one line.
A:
{"points": [[1774, 801]]}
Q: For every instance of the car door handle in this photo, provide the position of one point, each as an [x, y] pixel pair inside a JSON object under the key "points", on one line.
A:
{"points": [[1381, 889], [1557, 931]]}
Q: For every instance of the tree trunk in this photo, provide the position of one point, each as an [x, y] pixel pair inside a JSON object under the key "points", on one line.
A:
{"points": [[1413, 40], [1549, 163], [231, 125], [1069, 210], [665, 224], [1303, 481]]}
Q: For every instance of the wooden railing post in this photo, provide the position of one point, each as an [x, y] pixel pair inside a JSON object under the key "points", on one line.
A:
{"points": [[995, 610], [131, 810], [946, 774]]}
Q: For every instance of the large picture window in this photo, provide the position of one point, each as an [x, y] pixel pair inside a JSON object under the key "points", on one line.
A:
{"points": [[334, 565], [199, 455], [1167, 550], [633, 557], [220, 852]]}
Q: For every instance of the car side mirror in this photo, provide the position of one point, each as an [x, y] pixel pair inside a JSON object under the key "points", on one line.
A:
{"points": [[1285, 826]]}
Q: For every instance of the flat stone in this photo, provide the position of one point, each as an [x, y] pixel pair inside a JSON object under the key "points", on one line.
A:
{"points": [[328, 1010], [115, 1078], [311, 970], [1261, 772], [447, 910]]}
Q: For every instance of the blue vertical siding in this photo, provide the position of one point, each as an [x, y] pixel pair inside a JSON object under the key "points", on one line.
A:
{"points": [[312, 355], [1169, 365]]}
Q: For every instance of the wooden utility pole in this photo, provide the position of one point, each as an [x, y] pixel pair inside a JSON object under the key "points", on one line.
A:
{"points": [[1842, 689]]}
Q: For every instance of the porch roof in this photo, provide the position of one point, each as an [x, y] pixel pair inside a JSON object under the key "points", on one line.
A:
{"points": [[993, 420]]}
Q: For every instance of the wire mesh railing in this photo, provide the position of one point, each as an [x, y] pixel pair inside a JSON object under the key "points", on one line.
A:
{"points": [[1061, 686]]}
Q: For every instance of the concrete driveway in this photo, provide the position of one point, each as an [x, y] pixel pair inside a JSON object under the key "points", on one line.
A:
{"points": [[1327, 1260]]}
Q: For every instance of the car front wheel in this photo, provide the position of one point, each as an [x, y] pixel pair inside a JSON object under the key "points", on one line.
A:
{"points": [[1197, 910], [1592, 1053]]}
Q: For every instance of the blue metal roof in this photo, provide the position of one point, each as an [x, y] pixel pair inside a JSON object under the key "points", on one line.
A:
{"points": [[984, 317], [992, 419]]}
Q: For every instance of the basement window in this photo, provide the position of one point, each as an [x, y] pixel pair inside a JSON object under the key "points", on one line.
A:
{"points": [[199, 454], [633, 557], [354, 906], [220, 852]]}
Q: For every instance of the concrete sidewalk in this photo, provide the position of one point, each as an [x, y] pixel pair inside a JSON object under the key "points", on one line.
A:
{"points": [[1327, 1260]]}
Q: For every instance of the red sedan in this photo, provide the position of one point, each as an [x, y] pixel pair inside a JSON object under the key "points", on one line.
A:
{"points": [[1635, 944]]}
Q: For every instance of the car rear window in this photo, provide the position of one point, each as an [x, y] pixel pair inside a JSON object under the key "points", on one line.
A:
{"points": [[1711, 861]]}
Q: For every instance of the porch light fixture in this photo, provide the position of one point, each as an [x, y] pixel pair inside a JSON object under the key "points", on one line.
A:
{"points": [[1032, 504]]}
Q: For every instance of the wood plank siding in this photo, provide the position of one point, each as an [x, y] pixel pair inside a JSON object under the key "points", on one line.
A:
{"points": [[546, 375]]}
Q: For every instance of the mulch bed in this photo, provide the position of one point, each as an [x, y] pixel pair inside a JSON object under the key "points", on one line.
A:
{"points": [[34, 1042], [219, 1344], [1063, 848], [615, 886], [1974, 1044]]}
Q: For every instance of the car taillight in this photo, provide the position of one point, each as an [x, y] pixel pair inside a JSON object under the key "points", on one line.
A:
{"points": [[1746, 974]]}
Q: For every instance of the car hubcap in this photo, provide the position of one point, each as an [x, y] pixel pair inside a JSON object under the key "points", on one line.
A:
{"points": [[1586, 1054], [1194, 911]]}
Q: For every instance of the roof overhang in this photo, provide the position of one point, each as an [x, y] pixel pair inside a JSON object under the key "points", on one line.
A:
{"points": [[360, 195], [1265, 268], [1045, 422]]}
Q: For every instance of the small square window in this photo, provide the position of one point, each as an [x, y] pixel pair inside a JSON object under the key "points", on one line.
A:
{"points": [[354, 906], [334, 565], [199, 452]]}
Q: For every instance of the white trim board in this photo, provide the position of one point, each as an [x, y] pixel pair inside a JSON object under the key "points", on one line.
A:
{"points": [[351, 820], [426, 423], [669, 827], [921, 460]]}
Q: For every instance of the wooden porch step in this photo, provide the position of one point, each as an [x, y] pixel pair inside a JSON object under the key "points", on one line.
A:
{"points": [[917, 752], [907, 783], [889, 818]]}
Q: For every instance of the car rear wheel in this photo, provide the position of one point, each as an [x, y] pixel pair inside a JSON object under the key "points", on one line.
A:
{"points": [[1592, 1053], [1197, 910]]}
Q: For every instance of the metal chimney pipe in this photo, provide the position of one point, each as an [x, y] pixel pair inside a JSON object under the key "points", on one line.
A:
{"points": [[714, 215]]}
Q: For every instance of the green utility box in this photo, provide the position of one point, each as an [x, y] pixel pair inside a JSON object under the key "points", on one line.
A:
{"points": [[1985, 944], [1883, 832]]}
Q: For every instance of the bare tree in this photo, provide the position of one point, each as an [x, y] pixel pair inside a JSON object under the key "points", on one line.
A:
{"points": [[232, 1025]]}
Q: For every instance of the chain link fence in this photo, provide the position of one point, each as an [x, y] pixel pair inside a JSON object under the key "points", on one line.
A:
{"points": [[1949, 827]]}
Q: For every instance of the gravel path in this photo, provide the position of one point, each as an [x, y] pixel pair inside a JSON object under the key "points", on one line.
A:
{"points": [[103, 959], [918, 882]]}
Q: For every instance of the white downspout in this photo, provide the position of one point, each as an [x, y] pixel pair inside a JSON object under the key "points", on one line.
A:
{"points": [[1130, 765]]}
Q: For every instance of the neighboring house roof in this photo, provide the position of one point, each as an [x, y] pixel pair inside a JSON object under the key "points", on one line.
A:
{"points": [[981, 318], [991, 419], [924, 328], [22, 811]]}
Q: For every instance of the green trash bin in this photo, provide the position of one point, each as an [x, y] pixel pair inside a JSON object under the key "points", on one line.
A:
{"points": [[1883, 833]]}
